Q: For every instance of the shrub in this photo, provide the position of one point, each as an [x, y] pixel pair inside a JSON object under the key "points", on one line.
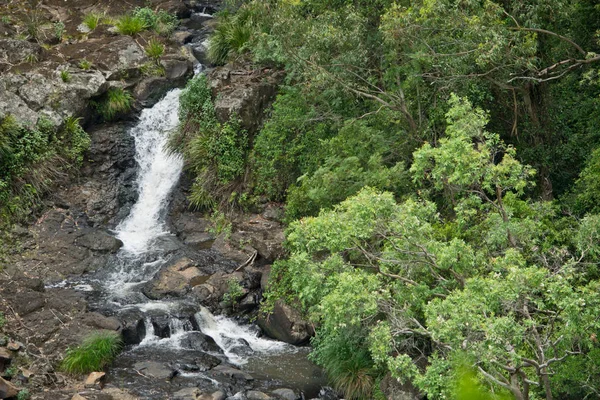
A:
{"points": [[59, 30], [229, 39], [130, 25], [23, 395], [114, 103], [91, 21], [85, 64], [234, 293], [65, 76], [76, 140], [161, 22], [96, 351], [155, 49]]}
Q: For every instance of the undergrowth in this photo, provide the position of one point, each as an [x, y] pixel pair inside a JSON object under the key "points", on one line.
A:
{"points": [[95, 352]]}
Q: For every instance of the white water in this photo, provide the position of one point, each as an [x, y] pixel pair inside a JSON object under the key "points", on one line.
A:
{"points": [[159, 172], [226, 331]]}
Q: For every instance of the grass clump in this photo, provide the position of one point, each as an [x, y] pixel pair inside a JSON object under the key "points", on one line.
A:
{"points": [[91, 21], [65, 76], [95, 352], [130, 25], [161, 21], [155, 49], [115, 102], [84, 64], [230, 39]]}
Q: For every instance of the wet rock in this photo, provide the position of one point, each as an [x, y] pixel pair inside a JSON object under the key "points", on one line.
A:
{"points": [[7, 389], [95, 380], [134, 330], [286, 394], [154, 369], [182, 37], [177, 71], [256, 395], [100, 241], [250, 302], [200, 341], [286, 324], [206, 362], [150, 90], [233, 373]]}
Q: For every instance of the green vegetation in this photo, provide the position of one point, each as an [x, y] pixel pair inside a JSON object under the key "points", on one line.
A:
{"points": [[65, 76], [31, 158], [2, 320], [160, 21], [216, 152], [155, 49], [439, 166], [234, 293], [96, 351], [130, 25], [114, 103], [84, 65], [92, 20], [59, 30], [23, 395]]}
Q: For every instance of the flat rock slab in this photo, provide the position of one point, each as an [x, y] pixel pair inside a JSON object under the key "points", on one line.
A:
{"points": [[154, 369]]}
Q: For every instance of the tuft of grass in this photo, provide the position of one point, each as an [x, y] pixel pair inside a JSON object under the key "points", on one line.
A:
{"points": [[116, 102], [65, 76], [91, 21], [130, 25], [4, 147], [155, 49], [230, 39], [95, 352], [59, 30], [84, 64], [31, 58]]}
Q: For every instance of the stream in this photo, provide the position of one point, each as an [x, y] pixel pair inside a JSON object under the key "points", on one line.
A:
{"points": [[176, 345]]}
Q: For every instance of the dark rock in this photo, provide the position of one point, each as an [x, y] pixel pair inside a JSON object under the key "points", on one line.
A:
{"points": [[286, 324], [29, 301], [177, 71], [154, 369], [101, 242], [5, 358], [200, 341], [233, 373], [17, 51], [99, 321], [134, 330], [150, 90]]}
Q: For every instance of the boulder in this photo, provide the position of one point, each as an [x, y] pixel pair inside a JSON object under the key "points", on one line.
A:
{"points": [[100, 241], [192, 393], [233, 373], [154, 369], [7, 389], [95, 380], [200, 341], [15, 51], [286, 394], [176, 280], [286, 324], [256, 395]]}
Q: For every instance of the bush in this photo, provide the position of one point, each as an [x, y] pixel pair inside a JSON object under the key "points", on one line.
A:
{"points": [[76, 140], [97, 350], [155, 49], [91, 21], [161, 22], [84, 64], [229, 39], [114, 103], [234, 293], [130, 25]]}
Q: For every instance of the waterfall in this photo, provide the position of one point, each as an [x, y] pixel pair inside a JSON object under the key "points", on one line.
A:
{"points": [[159, 171]]}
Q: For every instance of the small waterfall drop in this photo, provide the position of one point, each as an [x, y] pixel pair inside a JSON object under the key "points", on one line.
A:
{"points": [[159, 172]]}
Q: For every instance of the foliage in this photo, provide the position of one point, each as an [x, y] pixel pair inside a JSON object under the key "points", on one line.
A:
{"points": [[2, 320], [130, 25], [230, 38], [84, 64], [92, 20], [59, 30], [94, 353], [214, 151], [234, 293], [114, 103], [65, 76], [409, 280], [161, 22], [23, 395], [155, 49]]}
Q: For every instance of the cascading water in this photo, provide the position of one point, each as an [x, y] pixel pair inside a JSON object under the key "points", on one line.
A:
{"points": [[175, 330], [159, 171]]}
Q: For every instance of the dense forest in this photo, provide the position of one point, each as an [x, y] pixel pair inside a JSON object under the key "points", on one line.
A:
{"points": [[438, 164]]}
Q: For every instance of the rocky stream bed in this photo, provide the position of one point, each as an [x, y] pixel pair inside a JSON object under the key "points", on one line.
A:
{"points": [[117, 247]]}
